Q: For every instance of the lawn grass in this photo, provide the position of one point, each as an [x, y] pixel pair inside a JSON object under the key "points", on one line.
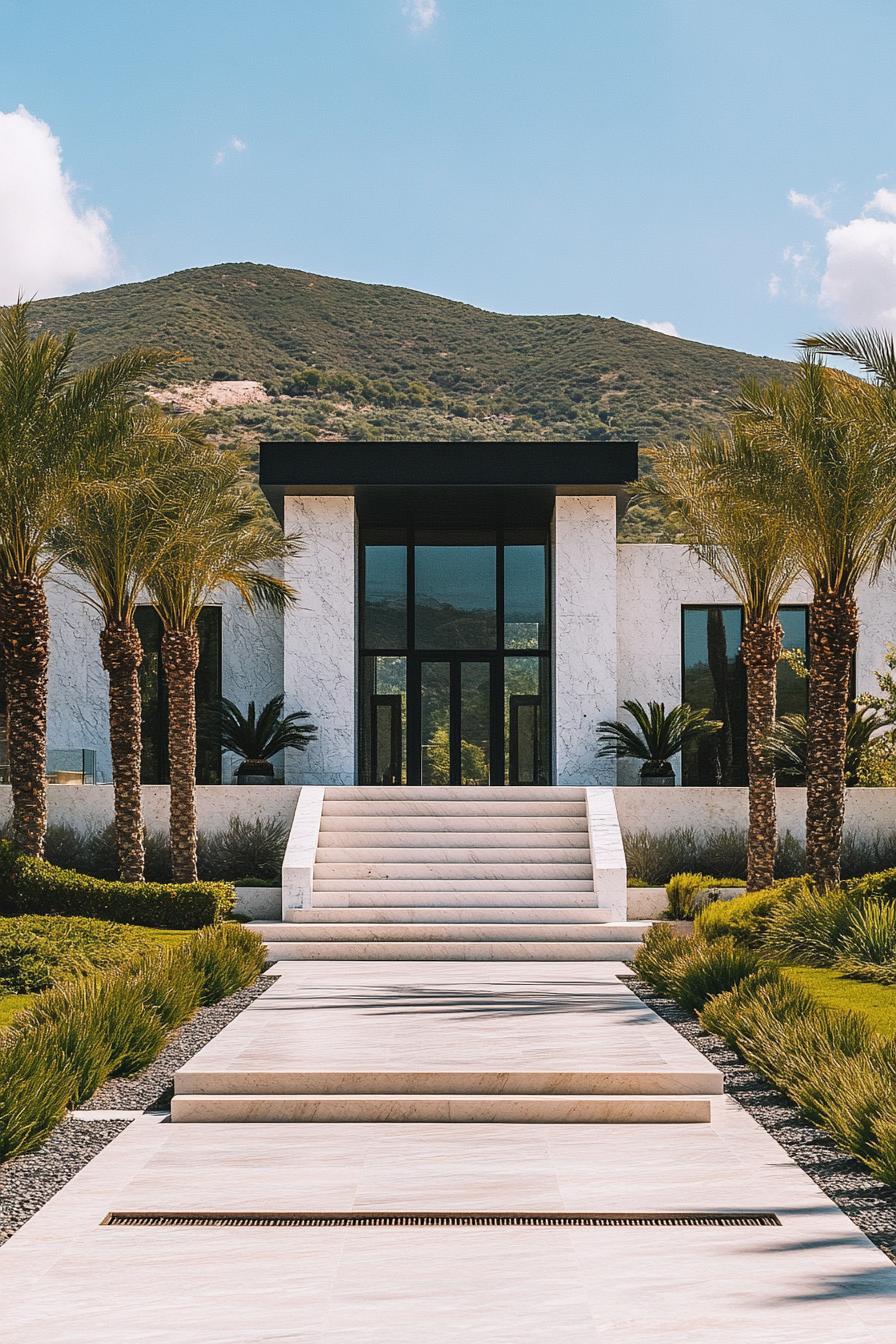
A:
{"points": [[836, 991], [10, 1004]]}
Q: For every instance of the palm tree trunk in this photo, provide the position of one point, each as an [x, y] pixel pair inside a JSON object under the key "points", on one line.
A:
{"points": [[760, 651], [122, 654], [180, 658], [25, 632], [833, 636]]}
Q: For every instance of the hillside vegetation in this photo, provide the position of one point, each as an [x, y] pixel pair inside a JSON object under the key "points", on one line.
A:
{"points": [[343, 360]]}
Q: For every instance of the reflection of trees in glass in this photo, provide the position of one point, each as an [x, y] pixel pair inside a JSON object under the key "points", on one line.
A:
{"points": [[474, 768]]}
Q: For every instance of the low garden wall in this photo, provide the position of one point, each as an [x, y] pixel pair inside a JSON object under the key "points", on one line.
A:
{"points": [[90, 806], [868, 811]]}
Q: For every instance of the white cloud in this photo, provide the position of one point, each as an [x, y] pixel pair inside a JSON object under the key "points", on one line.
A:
{"points": [[420, 14], [664, 328], [859, 282], [49, 242], [774, 285], [235, 145], [811, 204], [883, 202]]}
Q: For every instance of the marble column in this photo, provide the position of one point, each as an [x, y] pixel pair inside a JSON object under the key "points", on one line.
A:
{"points": [[319, 636], [584, 635]]}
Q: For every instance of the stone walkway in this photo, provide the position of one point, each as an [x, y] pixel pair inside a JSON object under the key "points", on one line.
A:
{"points": [[66, 1279]]}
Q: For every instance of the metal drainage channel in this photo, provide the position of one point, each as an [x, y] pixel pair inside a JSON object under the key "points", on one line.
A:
{"points": [[441, 1220]]}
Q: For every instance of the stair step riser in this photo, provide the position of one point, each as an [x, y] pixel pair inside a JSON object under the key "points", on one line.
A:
{"points": [[444, 826], [454, 1109], [496, 950], [479, 808], [462, 895], [454, 1082], [441, 793], [482, 872], [451, 857], [446, 914], [364, 932], [394, 843]]}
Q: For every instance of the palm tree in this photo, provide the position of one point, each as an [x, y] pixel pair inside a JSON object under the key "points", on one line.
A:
{"points": [[46, 410], [710, 490], [835, 496], [257, 738], [113, 536], [656, 737], [221, 535]]}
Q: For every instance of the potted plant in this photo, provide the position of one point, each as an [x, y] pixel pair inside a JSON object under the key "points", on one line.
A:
{"points": [[655, 738], [257, 739]]}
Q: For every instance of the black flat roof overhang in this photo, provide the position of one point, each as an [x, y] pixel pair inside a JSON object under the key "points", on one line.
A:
{"points": [[580, 468]]}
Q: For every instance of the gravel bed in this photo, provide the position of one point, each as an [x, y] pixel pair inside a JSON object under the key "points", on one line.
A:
{"points": [[867, 1201], [27, 1182]]}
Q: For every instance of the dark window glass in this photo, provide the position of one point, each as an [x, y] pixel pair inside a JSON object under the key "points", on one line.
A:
{"points": [[525, 597], [154, 697], [435, 712], [385, 597], [383, 720], [455, 583], [714, 679], [526, 720], [793, 690], [475, 725]]}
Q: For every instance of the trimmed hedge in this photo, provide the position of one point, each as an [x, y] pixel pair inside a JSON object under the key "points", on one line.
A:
{"points": [[60, 1050], [34, 887]]}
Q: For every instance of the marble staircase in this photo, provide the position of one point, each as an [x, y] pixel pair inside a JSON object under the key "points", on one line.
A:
{"points": [[452, 874]]}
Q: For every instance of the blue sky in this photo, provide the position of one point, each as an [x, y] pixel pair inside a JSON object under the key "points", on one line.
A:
{"points": [[726, 167]]}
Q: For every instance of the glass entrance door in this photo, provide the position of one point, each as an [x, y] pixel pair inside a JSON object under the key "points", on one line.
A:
{"points": [[456, 728]]}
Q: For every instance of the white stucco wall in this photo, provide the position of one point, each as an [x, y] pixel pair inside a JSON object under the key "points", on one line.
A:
{"points": [[655, 582], [319, 636], [89, 807], [585, 596], [78, 699]]}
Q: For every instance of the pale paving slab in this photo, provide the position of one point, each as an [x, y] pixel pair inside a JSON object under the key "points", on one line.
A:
{"points": [[66, 1280], [514, 1022]]}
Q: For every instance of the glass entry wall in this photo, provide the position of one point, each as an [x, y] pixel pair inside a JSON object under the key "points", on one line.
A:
{"points": [[455, 655]]}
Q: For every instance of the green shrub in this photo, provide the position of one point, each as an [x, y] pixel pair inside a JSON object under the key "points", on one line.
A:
{"points": [[37, 951], [244, 849], [854, 1092], [682, 890], [743, 918], [658, 955], [810, 929], [171, 984], [75, 1012], [709, 969], [135, 1030], [35, 1087], [882, 1148], [871, 936], [875, 886], [228, 958], [33, 886], [725, 1013]]}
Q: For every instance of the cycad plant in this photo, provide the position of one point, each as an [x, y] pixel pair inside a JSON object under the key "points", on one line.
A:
{"points": [[115, 533], [711, 490], [787, 744], [222, 535], [47, 414], [255, 739], [834, 496], [656, 737]]}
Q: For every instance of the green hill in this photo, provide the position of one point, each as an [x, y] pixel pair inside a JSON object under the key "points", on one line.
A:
{"points": [[347, 360]]}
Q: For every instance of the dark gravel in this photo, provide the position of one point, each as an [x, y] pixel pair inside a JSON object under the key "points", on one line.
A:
{"points": [[867, 1201], [27, 1182]]}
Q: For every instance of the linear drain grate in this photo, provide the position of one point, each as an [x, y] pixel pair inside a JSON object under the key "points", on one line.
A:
{"points": [[441, 1220]]}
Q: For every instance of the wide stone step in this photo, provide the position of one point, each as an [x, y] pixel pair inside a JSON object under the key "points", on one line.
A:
{"points": [[437, 914], [413, 896], [481, 807], [365, 931], [510, 888], [468, 824], [486, 871], [450, 857], [442, 793], [362, 844], [497, 949], [450, 1108], [703, 1078]]}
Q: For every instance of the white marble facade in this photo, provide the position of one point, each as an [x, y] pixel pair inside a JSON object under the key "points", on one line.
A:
{"points": [[616, 636]]}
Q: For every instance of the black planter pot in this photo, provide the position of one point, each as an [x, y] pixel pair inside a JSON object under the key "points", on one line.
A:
{"points": [[657, 775], [255, 772]]}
